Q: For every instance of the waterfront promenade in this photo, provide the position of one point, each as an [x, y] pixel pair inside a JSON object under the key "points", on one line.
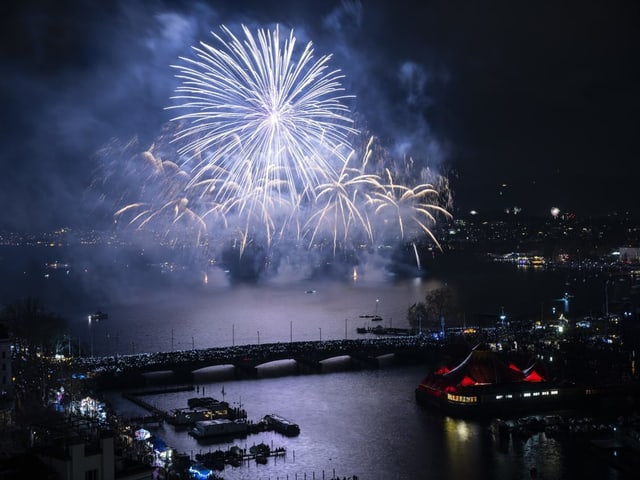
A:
{"points": [[124, 370]]}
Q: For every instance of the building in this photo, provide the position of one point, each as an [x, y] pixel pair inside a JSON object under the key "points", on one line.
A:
{"points": [[79, 459], [629, 254]]}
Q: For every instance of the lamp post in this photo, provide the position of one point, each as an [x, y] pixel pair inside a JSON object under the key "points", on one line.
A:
{"points": [[258, 337], [91, 335], [320, 328]]}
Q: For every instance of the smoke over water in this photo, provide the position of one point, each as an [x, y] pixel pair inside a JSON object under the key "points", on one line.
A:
{"points": [[339, 197]]}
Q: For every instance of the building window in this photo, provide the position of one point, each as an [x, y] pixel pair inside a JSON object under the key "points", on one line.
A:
{"points": [[91, 474]]}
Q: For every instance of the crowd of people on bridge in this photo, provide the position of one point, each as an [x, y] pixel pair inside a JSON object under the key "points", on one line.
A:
{"points": [[117, 364]]}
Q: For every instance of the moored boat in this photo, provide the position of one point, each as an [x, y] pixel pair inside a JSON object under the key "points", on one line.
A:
{"points": [[188, 416], [281, 424], [218, 428]]}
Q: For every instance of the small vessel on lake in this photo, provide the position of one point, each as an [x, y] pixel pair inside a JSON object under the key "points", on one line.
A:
{"points": [[97, 316], [219, 427], [281, 425]]}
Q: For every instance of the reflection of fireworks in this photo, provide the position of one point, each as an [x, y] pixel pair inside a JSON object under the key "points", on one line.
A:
{"points": [[264, 155]]}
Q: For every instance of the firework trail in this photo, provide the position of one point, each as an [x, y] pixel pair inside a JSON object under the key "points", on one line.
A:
{"points": [[167, 201], [339, 207], [408, 207], [265, 153]]}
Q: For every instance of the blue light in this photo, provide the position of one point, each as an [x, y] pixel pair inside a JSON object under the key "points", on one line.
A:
{"points": [[200, 472]]}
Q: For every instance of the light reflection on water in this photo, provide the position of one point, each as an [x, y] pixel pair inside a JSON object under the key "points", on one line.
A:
{"points": [[364, 423], [240, 315], [367, 423], [165, 316]]}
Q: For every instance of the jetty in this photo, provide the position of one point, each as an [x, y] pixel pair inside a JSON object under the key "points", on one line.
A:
{"points": [[156, 413], [236, 456]]}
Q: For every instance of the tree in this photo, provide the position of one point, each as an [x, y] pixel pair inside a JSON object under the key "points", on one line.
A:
{"points": [[438, 304], [32, 325], [417, 316]]}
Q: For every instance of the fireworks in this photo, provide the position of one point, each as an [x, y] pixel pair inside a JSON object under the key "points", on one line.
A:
{"points": [[407, 207], [265, 151], [259, 112]]}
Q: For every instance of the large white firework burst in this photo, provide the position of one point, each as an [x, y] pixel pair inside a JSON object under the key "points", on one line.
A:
{"points": [[264, 149], [260, 112]]}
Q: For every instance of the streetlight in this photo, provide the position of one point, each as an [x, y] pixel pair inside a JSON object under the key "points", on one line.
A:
{"points": [[320, 328], [91, 334], [258, 337]]}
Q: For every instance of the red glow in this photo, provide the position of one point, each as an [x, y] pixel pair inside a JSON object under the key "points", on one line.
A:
{"points": [[467, 381], [533, 377]]}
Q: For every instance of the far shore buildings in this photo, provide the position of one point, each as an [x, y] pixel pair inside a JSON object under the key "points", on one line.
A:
{"points": [[629, 254]]}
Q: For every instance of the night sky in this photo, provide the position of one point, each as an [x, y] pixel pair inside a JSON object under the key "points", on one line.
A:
{"points": [[527, 104]]}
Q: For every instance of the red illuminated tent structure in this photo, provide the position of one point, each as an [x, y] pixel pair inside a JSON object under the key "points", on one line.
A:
{"points": [[484, 384], [483, 367]]}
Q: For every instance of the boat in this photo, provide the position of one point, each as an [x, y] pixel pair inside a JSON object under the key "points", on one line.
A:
{"points": [[310, 292], [281, 425], [218, 428], [376, 318], [188, 416], [202, 402], [97, 316]]}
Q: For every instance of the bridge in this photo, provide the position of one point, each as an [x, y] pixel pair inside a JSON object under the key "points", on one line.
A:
{"points": [[120, 371]]}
